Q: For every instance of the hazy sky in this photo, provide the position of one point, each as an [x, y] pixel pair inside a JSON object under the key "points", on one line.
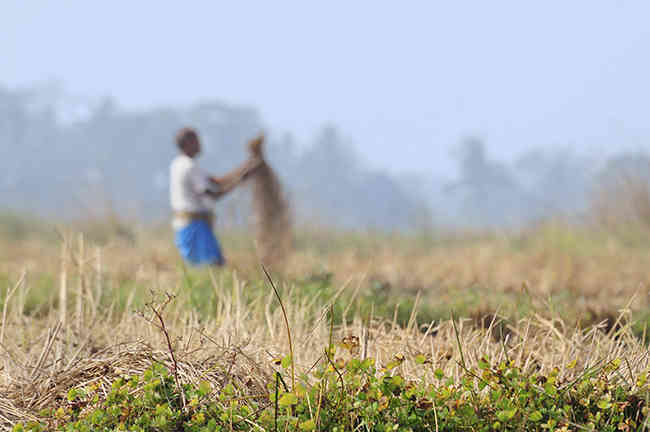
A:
{"points": [[403, 80]]}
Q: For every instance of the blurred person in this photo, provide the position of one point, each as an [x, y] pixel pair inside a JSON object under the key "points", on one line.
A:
{"points": [[193, 194]]}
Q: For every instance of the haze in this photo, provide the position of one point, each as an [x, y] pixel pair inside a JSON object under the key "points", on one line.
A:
{"points": [[404, 81]]}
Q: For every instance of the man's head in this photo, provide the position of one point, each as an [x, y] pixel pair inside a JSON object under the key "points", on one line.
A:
{"points": [[188, 142]]}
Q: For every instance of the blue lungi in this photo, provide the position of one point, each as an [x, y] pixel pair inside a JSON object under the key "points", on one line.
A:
{"points": [[198, 245]]}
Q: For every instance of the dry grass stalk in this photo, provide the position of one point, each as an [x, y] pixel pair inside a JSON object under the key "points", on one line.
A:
{"points": [[63, 284], [10, 292], [80, 283], [98, 275]]}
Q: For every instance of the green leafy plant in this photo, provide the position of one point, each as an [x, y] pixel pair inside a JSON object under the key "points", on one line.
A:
{"points": [[356, 394]]}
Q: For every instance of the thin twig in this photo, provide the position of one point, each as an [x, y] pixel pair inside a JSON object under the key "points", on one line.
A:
{"points": [[163, 328], [286, 322]]}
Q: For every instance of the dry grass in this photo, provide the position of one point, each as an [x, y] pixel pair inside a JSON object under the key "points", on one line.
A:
{"points": [[89, 323]]}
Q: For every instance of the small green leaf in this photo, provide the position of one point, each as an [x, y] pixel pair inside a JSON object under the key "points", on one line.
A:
{"points": [[367, 363], [288, 399], [204, 388], [439, 373], [604, 404], [536, 416], [506, 415], [398, 359], [72, 394], [308, 425], [286, 362]]}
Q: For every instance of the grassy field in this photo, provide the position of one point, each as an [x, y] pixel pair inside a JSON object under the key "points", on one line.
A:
{"points": [[449, 315]]}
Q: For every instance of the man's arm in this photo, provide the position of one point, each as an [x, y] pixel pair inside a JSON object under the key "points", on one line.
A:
{"points": [[231, 180]]}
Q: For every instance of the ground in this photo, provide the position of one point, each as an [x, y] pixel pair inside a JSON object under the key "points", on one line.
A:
{"points": [[79, 309]]}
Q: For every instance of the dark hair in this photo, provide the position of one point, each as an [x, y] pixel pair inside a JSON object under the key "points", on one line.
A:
{"points": [[184, 135]]}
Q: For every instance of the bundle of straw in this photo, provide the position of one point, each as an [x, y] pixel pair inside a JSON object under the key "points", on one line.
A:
{"points": [[272, 216]]}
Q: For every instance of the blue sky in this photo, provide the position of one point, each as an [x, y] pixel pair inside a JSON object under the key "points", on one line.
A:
{"points": [[403, 80]]}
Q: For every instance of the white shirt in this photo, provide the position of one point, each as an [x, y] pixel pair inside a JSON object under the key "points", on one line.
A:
{"points": [[187, 186]]}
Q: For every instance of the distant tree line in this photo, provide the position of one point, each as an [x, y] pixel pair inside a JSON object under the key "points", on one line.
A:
{"points": [[66, 160], [542, 184]]}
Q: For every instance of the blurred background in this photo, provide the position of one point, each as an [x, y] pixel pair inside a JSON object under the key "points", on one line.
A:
{"points": [[380, 116]]}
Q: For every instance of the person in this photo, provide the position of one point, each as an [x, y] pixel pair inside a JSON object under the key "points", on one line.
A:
{"points": [[193, 194]]}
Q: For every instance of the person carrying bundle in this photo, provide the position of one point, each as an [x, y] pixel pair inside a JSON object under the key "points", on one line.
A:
{"points": [[193, 194]]}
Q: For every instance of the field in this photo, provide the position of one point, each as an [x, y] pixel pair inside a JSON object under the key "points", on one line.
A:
{"points": [[541, 329]]}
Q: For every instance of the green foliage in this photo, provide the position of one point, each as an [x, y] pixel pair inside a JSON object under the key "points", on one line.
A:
{"points": [[354, 394]]}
